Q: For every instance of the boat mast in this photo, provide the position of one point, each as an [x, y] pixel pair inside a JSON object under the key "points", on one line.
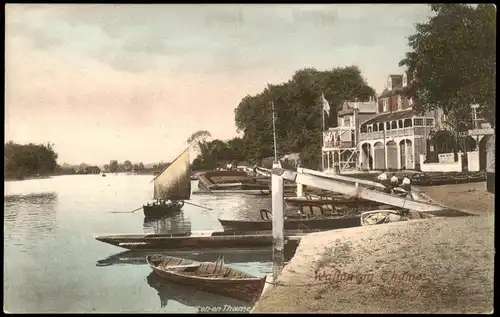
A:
{"points": [[274, 134]]}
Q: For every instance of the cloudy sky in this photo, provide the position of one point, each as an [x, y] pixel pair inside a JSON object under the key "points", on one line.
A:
{"points": [[134, 81]]}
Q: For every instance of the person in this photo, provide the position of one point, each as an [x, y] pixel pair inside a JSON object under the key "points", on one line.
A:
{"points": [[406, 183]]}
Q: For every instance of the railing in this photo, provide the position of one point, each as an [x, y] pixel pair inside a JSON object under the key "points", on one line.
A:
{"points": [[339, 144], [388, 134]]}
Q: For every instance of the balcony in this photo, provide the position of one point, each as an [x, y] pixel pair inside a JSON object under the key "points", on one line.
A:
{"points": [[388, 134]]}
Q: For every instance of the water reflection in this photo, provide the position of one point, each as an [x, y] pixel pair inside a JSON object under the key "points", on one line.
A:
{"points": [[31, 216], [175, 223], [230, 256], [192, 297]]}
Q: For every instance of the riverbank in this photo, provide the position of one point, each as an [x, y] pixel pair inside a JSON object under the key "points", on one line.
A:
{"points": [[437, 265]]}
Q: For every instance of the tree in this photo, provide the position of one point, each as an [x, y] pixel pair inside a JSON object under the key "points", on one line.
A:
{"points": [[452, 60], [106, 167], [298, 112], [127, 165], [198, 139], [141, 166], [29, 159], [113, 166]]}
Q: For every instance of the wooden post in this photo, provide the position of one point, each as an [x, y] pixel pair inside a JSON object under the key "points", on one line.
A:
{"points": [[278, 224], [300, 187]]}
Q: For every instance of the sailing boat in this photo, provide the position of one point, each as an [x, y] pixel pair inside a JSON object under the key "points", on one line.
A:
{"points": [[171, 187]]}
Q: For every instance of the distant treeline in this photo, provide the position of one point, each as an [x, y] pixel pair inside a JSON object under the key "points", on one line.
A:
{"points": [[29, 160]]}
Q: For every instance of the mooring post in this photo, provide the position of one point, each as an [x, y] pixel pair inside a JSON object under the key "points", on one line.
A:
{"points": [[278, 224], [300, 187]]}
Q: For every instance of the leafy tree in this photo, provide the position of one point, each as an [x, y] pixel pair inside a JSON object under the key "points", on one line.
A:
{"points": [[141, 166], [298, 112], [198, 139], [452, 60], [113, 166], [29, 160], [127, 165]]}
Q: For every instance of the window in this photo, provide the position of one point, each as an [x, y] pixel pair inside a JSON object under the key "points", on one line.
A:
{"points": [[419, 122], [369, 128], [363, 129], [429, 122], [400, 124], [410, 102], [375, 127], [394, 125], [407, 123], [386, 104], [387, 125], [381, 126], [400, 103], [347, 121], [405, 79], [389, 83]]}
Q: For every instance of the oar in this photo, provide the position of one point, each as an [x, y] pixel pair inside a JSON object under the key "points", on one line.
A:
{"points": [[197, 205], [126, 212]]}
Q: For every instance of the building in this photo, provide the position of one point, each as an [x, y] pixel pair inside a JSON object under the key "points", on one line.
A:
{"points": [[396, 136], [340, 144]]}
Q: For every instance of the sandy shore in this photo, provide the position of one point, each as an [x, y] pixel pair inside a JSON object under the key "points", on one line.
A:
{"points": [[470, 197], [438, 265]]}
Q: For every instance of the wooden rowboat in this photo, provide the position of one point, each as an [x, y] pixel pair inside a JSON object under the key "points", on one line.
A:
{"points": [[211, 277], [323, 223]]}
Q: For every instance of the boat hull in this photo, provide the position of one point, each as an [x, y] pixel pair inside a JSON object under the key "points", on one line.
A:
{"points": [[222, 240], [156, 211], [292, 224], [245, 287]]}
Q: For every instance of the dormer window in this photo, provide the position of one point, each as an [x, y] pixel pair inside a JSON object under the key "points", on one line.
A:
{"points": [[389, 83], [405, 79], [410, 101], [400, 103], [386, 104]]}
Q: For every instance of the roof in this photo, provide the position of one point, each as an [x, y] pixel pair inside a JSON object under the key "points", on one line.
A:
{"points": [[395, 91], [389, 116]]}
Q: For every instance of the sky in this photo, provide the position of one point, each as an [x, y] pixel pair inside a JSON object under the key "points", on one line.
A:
{"points": [[133, 82]]}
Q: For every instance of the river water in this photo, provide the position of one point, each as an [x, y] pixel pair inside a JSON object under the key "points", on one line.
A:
{"points": [[52, 263]]}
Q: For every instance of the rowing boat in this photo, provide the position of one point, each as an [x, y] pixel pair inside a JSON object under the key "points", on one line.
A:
{"points": [[323, 223], [212, 277]]}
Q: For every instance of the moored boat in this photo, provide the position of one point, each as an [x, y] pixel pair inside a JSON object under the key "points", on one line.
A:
{"points": [[212, 277], [322, 223], [199, 240]]}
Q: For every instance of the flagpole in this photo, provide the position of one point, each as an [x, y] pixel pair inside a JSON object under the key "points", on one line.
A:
{"points": [[322, 134], [274, 134]]}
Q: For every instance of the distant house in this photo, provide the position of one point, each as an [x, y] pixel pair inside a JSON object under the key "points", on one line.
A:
{"points": [[92, 170]]}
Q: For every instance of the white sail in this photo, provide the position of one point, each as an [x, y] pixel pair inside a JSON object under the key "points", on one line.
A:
{"points": [[174, 183]]}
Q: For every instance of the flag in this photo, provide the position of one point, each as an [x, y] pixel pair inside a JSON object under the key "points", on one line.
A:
{"points": [[326, 105]]}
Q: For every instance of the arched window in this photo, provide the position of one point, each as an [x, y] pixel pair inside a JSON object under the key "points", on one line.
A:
{"points": [[407, 123], [363, 129], [400, 124], [387, 125], [375, 127], [381, 126], [394, 125], [369, 128]]}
